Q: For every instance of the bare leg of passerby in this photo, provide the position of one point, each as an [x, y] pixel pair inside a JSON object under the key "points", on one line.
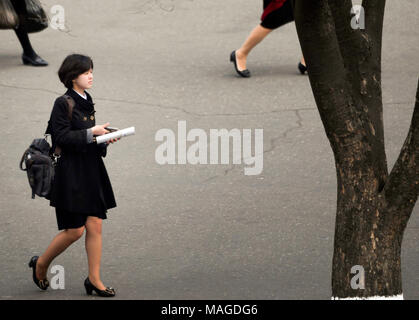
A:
{"points": [[61, 242], [94, 250], [302, 66], [256, 36]]}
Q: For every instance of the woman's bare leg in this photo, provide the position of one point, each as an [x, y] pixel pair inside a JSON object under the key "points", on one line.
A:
{"points": [[61, 242], [256, 36], [94, 250]]}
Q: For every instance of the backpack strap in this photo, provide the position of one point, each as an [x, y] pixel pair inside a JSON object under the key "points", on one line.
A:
{"points": [[22, 161], [70, 105]]}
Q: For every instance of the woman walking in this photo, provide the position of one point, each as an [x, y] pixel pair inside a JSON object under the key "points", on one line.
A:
{"points": [[276, 13], [82, 192]]}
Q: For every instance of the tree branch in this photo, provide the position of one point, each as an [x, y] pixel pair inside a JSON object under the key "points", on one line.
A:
{"points": [[349, 39], [402, 188], [374, 18], [328, 79], [364, 74], [370, 66], [370, 69]]}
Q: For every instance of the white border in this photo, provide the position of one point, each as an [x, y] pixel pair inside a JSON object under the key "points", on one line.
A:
{"points": [[398, 297]]}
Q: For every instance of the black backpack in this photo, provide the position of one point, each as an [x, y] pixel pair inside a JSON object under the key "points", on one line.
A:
{"points": [[40, 160], [39, 165]]}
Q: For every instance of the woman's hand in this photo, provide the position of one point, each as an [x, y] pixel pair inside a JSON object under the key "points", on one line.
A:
{"points": [[99, 130], [112, 140]]}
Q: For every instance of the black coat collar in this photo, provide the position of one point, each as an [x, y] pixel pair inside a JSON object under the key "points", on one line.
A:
{"points": [[85, 104]]}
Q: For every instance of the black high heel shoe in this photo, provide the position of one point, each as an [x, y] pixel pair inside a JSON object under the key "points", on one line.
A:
{"points": [[243, 73], [42, 284], [302, 68], [36, 61], [108, 292]]}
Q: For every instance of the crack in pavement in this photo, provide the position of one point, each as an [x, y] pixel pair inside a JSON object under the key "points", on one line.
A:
{"points": [[179, 109], [150, 4], [273, 143], [274, 140], [67, 30], [197, 114], [26, 88]]}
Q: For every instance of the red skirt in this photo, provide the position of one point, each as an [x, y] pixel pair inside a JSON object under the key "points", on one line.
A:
{"points": [[276, 13]]}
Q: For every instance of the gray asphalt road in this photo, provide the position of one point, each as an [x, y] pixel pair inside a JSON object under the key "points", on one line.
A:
{"points": [[193, 231]]}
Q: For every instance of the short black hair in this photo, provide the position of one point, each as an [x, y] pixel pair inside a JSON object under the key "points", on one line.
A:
{"points": [[73, 66]]}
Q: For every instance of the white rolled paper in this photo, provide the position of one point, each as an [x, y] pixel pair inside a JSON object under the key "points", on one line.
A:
{"points": [[115, 135]]}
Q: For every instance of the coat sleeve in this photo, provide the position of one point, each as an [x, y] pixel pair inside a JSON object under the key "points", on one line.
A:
{"points": [[75, 140]]}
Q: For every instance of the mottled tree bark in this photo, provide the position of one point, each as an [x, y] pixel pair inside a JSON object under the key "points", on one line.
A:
{"points": [[373, 207]]}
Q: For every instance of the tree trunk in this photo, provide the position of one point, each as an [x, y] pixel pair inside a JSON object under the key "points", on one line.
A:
{"points": [[364, 238], [373, 207]]}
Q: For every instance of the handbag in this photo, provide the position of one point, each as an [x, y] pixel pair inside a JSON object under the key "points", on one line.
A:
{"points": [[8, 16], [35, 19]]}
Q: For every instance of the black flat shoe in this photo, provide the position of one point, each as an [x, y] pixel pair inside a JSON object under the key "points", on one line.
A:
{"points": [[302, 68], [243, 73], [34, 61], [108, 292], [42, 284]]}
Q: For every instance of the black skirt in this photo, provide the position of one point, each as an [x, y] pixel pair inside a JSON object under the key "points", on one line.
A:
{"points": [[73, 220], [274, 17]]}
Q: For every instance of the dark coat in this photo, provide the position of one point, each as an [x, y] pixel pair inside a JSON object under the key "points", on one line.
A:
{"points": [[81, 183]]}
